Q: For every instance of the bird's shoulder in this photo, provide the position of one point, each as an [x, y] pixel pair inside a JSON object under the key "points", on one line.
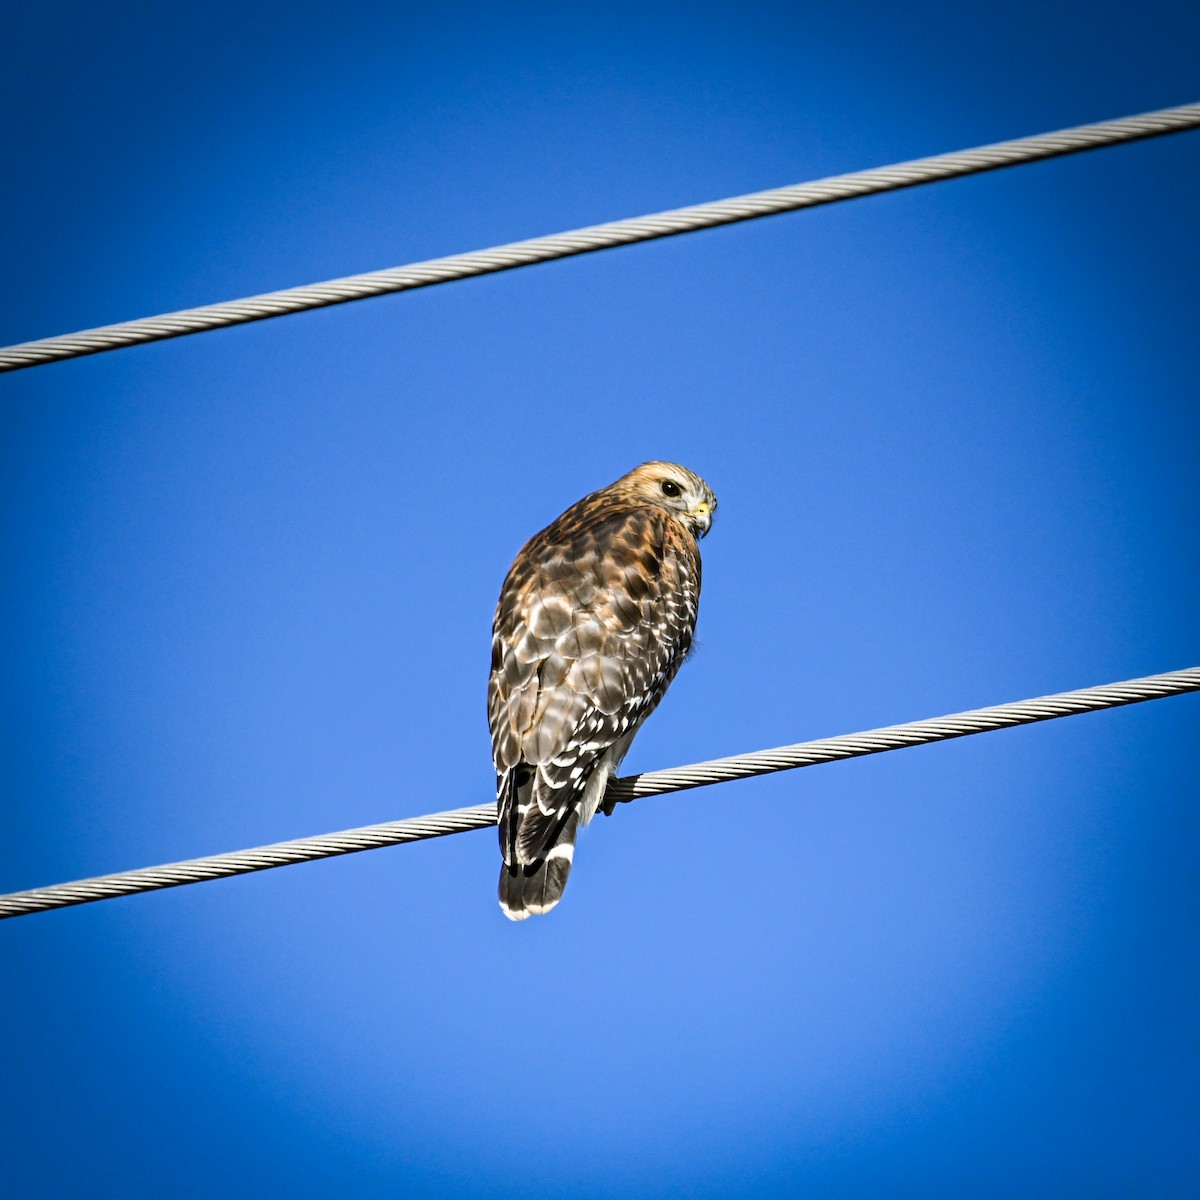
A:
{"points": [[602, 535]]}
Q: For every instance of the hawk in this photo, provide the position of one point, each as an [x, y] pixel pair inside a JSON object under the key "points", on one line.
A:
{"points": [[595, 618]]}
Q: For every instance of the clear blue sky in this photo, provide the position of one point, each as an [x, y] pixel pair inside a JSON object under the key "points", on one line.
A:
{"points": [[249, 578]]}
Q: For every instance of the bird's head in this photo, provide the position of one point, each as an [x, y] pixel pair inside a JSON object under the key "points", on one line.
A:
{"points": [[680, 491]]}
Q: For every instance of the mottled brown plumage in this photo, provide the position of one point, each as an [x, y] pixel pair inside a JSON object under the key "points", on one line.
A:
{"points": [[595, 618]]}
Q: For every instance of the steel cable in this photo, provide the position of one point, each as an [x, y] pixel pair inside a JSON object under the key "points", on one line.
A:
{"points": [[652, 783], [602, 237]]}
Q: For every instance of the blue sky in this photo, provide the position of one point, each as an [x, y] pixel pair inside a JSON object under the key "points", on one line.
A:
{"points": [[250, 576]]}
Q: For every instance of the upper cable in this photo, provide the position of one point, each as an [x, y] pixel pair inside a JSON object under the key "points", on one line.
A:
{"points": [[601, 237]]}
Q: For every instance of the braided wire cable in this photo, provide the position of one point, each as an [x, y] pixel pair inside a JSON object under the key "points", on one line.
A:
{"points": [[652, 783], [602, 237]]}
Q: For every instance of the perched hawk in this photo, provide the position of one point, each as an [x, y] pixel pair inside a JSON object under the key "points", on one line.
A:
{"points": [[594, 620]]}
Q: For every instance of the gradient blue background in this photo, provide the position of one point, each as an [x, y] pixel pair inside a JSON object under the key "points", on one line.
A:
{"points": [[249, 579]]}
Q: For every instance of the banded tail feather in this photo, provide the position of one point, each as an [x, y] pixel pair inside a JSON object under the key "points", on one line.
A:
{"points": [[534, 888], [539, 846]]}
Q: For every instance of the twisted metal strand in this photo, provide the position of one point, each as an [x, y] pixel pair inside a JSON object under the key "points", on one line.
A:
{"points": [[897, 737], [602, 237], [652, 783]]}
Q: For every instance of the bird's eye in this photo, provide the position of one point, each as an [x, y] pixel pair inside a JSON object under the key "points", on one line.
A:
{"points": [[671, 488]]}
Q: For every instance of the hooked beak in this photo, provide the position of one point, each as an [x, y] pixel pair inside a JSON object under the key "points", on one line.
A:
{"points": [[701, 518]]}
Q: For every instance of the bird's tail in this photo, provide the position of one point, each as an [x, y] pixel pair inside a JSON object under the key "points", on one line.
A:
{"points": [[536, 887]]}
